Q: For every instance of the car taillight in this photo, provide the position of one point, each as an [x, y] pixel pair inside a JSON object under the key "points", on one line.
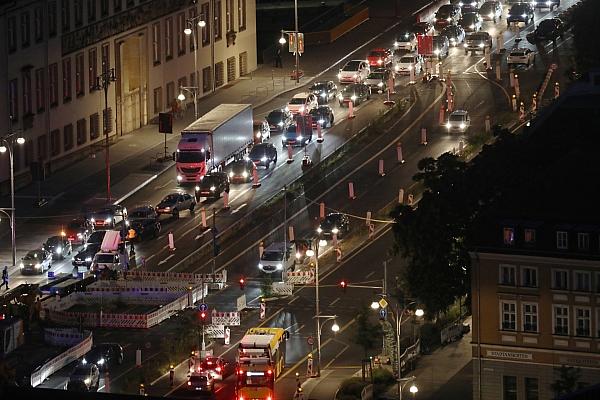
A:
{"points": [[269, 372], [269, 398], [241, 398], [189, 383], [218, 369]]}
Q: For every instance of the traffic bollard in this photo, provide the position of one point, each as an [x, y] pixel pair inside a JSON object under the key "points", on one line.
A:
{"points": [[255, 183], [488, 58], [511, 78], [522, 112], [411, 200], [171, 375], [142, 390], [412, 75], [381, 170], [226, 201], [261, 249], [401, 196], [371, 231], [514, 102], [319, 134], [424, 136], [338, 254], [351, 191], [392, 84], [368, 219], [488, 125], [399, 153], [171, 242], [334, 240], [203, 218], [350, 110], [442, 114], [461, 147], [290, 158], [534, 103], [106, 382], [517, 87], [291, 233], [556, 90], [499, 43], [498, 71], [322, 211]]}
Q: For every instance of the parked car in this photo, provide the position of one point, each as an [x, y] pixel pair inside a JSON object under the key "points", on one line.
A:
{"points": [[261, 129], [264, 154], [406, 41], [144, 221], [477, 41], [212, 186], [491, 11], [548, 29], [58, 246], [324, 90], [379, 57], [302, 103], [448, 14], [78, 230], [422, 28], [240, 170], [354, 71], [550, 4], [458, 121], [279, 120], [356, 92], [174, 203], [334, 224], [108, 217], [455, 34], [87, 373], [35, 262], [521, 56], [520, 12], [105, 355], [470, 22], [202, 381], [322, 115]]}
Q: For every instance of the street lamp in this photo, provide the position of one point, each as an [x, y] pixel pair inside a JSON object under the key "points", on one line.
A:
{"points": [[103, 82], [194, 91], [413, 389], [7, 144], [310, 253], [191, 23], [295, 32]]}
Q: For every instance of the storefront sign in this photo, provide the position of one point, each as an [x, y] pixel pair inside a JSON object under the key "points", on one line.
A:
{"points": [[509, 354]]}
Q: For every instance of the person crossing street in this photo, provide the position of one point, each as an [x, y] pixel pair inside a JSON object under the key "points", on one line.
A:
{"points": [[5, 277]]}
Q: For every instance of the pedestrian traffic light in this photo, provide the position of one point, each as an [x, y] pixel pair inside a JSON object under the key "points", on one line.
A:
{"points": [[203, 316], [242, 283], [343, 285]]}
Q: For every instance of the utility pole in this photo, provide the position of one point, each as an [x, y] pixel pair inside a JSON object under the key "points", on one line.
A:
{"points": [[103, 82]]}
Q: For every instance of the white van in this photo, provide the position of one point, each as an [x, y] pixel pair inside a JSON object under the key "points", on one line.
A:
{"points": [[108, 256], [277, 257]]}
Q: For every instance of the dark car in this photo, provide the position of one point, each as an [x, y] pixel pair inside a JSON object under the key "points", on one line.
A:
{"points": [[471, 22], [144, 221], [174, 203], [35, 262], [422, 28], [355, 92], [548, 29], [279, 120], [263, 154], [378, 79], [322, 115], [324, 90], [334, 223], [58, 246], [448, 14], [87, 373], [491, 11], [105, 355], [201, 382], [85, 257], [455, 34], [469, 8], [108, 217], [478, 41], [550, 4], [262, 130], [298, 134], [240, 170], [78, 230], [217, 367], [212, 186], [520, 12]]}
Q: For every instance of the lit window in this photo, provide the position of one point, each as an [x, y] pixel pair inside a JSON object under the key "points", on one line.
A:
{"points": [[509, 236], [529, 236]]}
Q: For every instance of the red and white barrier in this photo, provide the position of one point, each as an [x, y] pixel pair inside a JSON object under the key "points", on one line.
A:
{"points": [[381, 168], [226, 201], [255, 182], [171, 242], [399, 153], [322, 211], [319, 133], [300, 277], [351, 194], [392, 84], [291, 236], [351, 110], [203, 218], [229, 318], [442, 115], [424, 136], [290, 158]]}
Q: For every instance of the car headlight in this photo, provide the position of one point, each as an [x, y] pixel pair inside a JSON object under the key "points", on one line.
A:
{"points": [[92, 220], [547, 3], [301, 109], [448, 19], [88, 259], [287, 108], [472, 26], [319, 230], [38, 266], [258, 135], [108, 220], [353, 97], [279, 266], [340, 97], [410, 67], [21, 265], [396, 44], [179, 178], [339, 75], [260, 266], [244, 174], [321, 121], [436, 52], [79, 235], [355, 76], [197, 188], [435, 20], [491, 15], [323, 95], [397, 68], [231, 174], [465, 45], [280, 123], [481, 45], [263, 159], [167, 208], [126, 222], [509, 16], [462, 126], [524, 15], [58, 250], [380, 84], [335, 231], [452, 40], [448, 125], [87, 381], [379, 61], [212, 188], [299, 137], [473, 3], [101, 361]]}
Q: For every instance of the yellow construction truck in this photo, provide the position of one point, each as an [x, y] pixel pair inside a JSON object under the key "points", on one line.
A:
{"points": [[260, 360]]}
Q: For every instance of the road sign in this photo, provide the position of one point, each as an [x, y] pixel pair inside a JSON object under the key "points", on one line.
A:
{"points": [[382, 313], [383, 303], [50, 274], [203, 307], [227, 335], [310, 340]]}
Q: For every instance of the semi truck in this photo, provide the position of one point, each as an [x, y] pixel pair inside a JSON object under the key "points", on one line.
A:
{"points": [[213, 141], [260, 360]]}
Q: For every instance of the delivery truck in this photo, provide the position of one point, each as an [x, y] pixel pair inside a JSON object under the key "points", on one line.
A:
{"points": [[213, 141]]}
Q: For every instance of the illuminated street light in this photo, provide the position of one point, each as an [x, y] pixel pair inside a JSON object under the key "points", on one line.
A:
{"points": [[413, 389], [419, 312], [335, 327], [181, 97], [282, 40], [375, 305]]}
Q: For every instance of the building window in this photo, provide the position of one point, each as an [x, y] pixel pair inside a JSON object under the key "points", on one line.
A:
{"points": [[94, 126], [561, 320], [205, 16], [229, 15], [194, 35], [562, 240], [529, 277], [79, 75], [218, 23], [11, 24], [531, 389], [81, 132], [181, 82], [530, 317], [92, 68], [65, 15], [509, 388], [158, 103], [117, 5], [583, 241], [25, 29], [40, 100], [68, 137], [507, 275], [560, 279], [180, 34], [52, 18], [171, 93], [241, 15], [104, 8], [156, 43], [53, 84], [583, 281], [27, 92], [38, 24], [13, 99], [66, 72], [78, 11], [529, 236], [219, 74], [509, 236], [55, 142], [193, 80], [91, 10], [169, 38], [105, 58], [509, 315], [206, 80], [582, 321]]}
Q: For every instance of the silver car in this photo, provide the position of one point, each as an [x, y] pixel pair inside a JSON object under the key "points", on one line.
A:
{"points": [[458, 122], [36, 262]]}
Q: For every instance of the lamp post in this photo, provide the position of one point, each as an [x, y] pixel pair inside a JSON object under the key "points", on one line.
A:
{"points": [[194, 91], [295, 32], [310, 252], [103, 82], [200, 21], [7, 144]]}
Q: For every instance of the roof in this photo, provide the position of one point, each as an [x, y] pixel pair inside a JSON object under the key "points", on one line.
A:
{"points": [[216, 117]]}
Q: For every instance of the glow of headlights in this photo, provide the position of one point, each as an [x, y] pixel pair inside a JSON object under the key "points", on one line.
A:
{"points": [[263, 159], [481, 45], [465, 45], [38, 266], [462, 126], [353, 97], [279, 266], [435, 20], [244, 174], [92, 220], [397, 68], [298, 255], [88, 259], [323, 95], [87, 381], [524, 15], [197, 188], [212, 188], [448, 19], [319, 230], [339, 75], [21, 265], [299, 137], [108, 220], [548, 3], [179, 178], [379, 62], [101, 361], [491, 15], [436, 52], [448, 125], [396, 44], [472, 26], [231, 174], [301, 109], [380, 84], [58, 250], [79, 235], [335, 231], [258, 135], [260, 266], [280, 123], [473, 3], [321, 121], [340, 97], [287, 108]]}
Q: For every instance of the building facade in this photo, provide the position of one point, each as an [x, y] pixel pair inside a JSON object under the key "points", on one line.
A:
{"points": [[536, 307], [54, 51]]}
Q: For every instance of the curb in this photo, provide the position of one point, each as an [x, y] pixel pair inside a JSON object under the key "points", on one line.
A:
{"points": [[145, 183]]}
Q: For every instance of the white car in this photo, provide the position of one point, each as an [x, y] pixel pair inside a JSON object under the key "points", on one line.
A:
{"points": [[355, 71], [409, 62], [521, 56], [406, 41], [458, 122], [302, 103]]}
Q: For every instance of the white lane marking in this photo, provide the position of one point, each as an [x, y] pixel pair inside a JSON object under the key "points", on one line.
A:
{"points": [[346, 347], [335, 301], [239, 208], [166, 259], [163, 186], [370, 274]]}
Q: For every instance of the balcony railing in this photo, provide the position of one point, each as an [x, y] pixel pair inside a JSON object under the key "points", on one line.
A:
{"points": [[530, 328], [561, 330], [508, 326]]}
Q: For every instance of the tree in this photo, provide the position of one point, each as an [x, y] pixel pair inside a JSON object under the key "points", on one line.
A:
{"points": [[367, 334], [567, 380], [585, 25]]}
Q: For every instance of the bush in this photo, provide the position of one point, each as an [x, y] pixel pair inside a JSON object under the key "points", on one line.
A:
{"points": [[383, 376], [351, 388]]}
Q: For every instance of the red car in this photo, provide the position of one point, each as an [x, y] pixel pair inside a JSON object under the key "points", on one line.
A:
{"points": [[379, 57], [78, 230]]}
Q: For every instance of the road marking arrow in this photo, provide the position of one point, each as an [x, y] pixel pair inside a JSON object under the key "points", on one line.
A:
{"points": [[239, 208], [166, 259]]}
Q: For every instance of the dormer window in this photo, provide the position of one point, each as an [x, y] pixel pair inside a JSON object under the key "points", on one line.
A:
{"points": [[509, 236], [562, 240], [529, 236], [583, 241]]}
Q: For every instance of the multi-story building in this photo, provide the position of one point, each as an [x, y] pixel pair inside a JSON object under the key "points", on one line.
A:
{"points": [[54, 51]]}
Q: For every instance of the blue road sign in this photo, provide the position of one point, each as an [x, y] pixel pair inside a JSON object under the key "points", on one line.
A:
{"points": [[382, 313], [50, 274], [203, 307], [79, 275]]}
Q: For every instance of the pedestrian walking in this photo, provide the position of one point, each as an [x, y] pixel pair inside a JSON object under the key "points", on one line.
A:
{"points": [[171, 375], [5, 277], [278, 63]]}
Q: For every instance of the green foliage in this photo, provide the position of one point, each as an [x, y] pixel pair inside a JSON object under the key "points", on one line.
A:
{"points": [[368, 334], [266, 286], [383, 376], [567, 380], [350, 389]]}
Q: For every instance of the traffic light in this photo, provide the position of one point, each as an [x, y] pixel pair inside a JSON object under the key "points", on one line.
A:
{"points": [[343, 285], [242, 283], [203, 316], [165, 123]]}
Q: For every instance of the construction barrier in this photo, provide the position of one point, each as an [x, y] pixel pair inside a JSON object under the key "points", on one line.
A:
{"points": [[61, 360], [283, 288], [300, 277], [219, 279], [215, 331], [63, 336], [451, 333], [229, 318], [241, 303]]}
